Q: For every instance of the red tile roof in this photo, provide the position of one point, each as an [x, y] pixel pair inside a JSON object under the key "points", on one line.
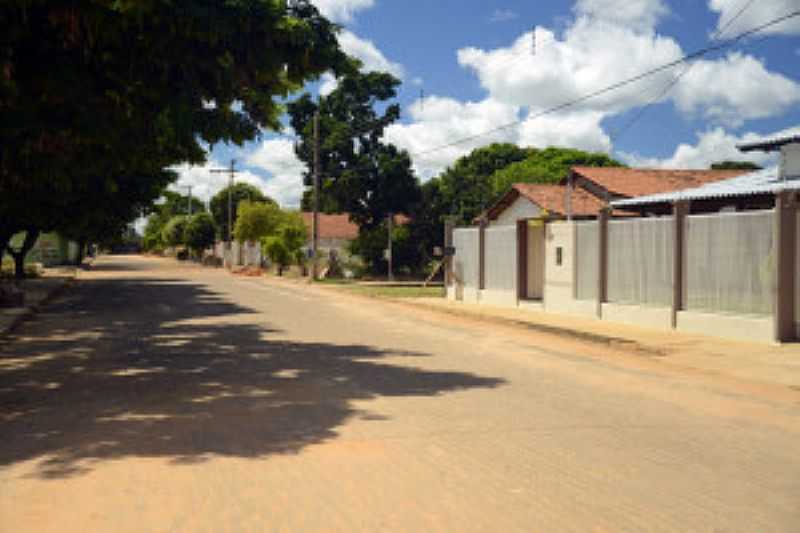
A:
{"points": [[333, 226], [631, 182], [552, 198]]}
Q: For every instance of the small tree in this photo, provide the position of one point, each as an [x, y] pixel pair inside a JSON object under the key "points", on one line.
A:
{"points": [[200, 232], [174, 232], [240, 193], [285, 245], [256, 220], [277, 252]]}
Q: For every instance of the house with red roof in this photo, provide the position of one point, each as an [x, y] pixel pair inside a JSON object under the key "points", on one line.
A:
{"points": [[534, 246]]}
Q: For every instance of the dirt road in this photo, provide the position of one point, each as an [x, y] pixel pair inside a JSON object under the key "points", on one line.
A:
{"points": [[159, 397]]}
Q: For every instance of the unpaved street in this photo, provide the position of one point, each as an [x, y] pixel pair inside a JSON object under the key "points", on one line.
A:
{"points": [[160, 397]]}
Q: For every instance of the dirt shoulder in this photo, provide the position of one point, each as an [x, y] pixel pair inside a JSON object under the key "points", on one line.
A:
{"points": [[773, 370]]}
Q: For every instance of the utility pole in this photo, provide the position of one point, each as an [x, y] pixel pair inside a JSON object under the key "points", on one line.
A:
{"points": [[389, 225], [189, 187], [231, 171], [315, 215]]}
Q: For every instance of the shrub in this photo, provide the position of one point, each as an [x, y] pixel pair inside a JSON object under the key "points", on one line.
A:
{"points": [[174, 232], [200, 232]]}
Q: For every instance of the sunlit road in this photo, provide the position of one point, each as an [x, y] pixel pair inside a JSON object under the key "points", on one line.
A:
{"points": [[159, 397]]}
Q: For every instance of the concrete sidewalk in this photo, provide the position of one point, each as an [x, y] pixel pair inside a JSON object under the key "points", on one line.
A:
{"points": [[773, 364], [38, 292]]}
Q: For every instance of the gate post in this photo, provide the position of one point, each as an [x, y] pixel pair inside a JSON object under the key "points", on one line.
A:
{"points": [[785, 240], [522, 260], [679, 212], [602, 263], [449, 225]]}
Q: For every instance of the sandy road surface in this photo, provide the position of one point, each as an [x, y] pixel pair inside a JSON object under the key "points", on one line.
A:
{"points": [[155, 397]]}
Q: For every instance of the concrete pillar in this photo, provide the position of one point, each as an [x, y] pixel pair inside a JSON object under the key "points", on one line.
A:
{"points": [[785, 239], [602, 261], [679, 212], [449, 226]]}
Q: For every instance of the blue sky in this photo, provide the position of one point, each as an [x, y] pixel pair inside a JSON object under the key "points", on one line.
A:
{"points": [[476, 64]]}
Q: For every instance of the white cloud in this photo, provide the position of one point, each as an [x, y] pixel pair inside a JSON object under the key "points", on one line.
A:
{"points": [[503, 15], [368, 53], [205, 183], [440, 120], [756, 14], [638, 14], [372, 58], [588, 58], [712, 146], [580, 130], [328, 84], [608, 41], [277, 157], [342, 10], [734, 89]]}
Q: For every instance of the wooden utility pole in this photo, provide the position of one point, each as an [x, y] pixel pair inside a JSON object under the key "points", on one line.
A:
{"points": [[231, 171], [389, 225], [315, 215]]}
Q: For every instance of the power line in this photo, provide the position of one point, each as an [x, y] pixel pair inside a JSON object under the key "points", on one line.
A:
{"points": [[672, 83], [685, 59]]}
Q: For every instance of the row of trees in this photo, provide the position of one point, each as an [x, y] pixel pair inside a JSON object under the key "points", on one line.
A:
{"points": [[98, 98], [371, 179]]}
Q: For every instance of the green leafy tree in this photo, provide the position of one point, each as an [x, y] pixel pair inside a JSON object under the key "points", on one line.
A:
{"points": [[285, 244], [256, 220], [735, 165], [240, 192], [546, 166], [371, 244], [174, 233], [466, 187], [172, 204], [362, 175], [277, 252], [126, 91], [200, 232]]}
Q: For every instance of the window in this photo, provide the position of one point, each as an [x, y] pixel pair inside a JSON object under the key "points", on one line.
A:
{"points": [[559, 255]]}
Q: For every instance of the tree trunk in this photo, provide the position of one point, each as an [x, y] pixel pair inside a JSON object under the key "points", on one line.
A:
{"points": [[31, 236], [81, 251], [5, 236]]}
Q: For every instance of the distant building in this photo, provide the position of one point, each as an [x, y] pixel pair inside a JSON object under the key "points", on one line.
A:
{"points": [[336, 232]]}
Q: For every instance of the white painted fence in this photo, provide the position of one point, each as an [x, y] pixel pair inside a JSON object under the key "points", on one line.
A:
{"points": [[730, 262]]}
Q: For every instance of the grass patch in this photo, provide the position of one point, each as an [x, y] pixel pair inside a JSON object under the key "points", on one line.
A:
{"points": [[392, 292]]}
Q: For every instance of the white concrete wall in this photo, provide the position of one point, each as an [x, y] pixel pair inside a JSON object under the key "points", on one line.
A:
{"points": [[756, 329], [638, 315], [790, 159], [520, 209]]}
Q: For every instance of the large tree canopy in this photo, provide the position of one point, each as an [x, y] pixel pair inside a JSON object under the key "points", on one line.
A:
{"points": [[547, 166], [360, 174], [93, 91], [466, 187]]}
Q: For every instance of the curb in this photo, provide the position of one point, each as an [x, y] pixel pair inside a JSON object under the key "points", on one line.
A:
{"points": [[31, 310], [574, 334]]}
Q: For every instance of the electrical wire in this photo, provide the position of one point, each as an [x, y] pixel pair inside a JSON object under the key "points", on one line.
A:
{"points": [[614, 86], [672, 83]]}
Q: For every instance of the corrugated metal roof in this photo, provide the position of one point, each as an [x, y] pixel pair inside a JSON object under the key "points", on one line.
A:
{"points": [[769, 146], [765, 181]]}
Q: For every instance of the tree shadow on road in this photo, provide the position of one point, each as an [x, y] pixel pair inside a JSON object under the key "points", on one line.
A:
{"points": [[160, 368]]}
